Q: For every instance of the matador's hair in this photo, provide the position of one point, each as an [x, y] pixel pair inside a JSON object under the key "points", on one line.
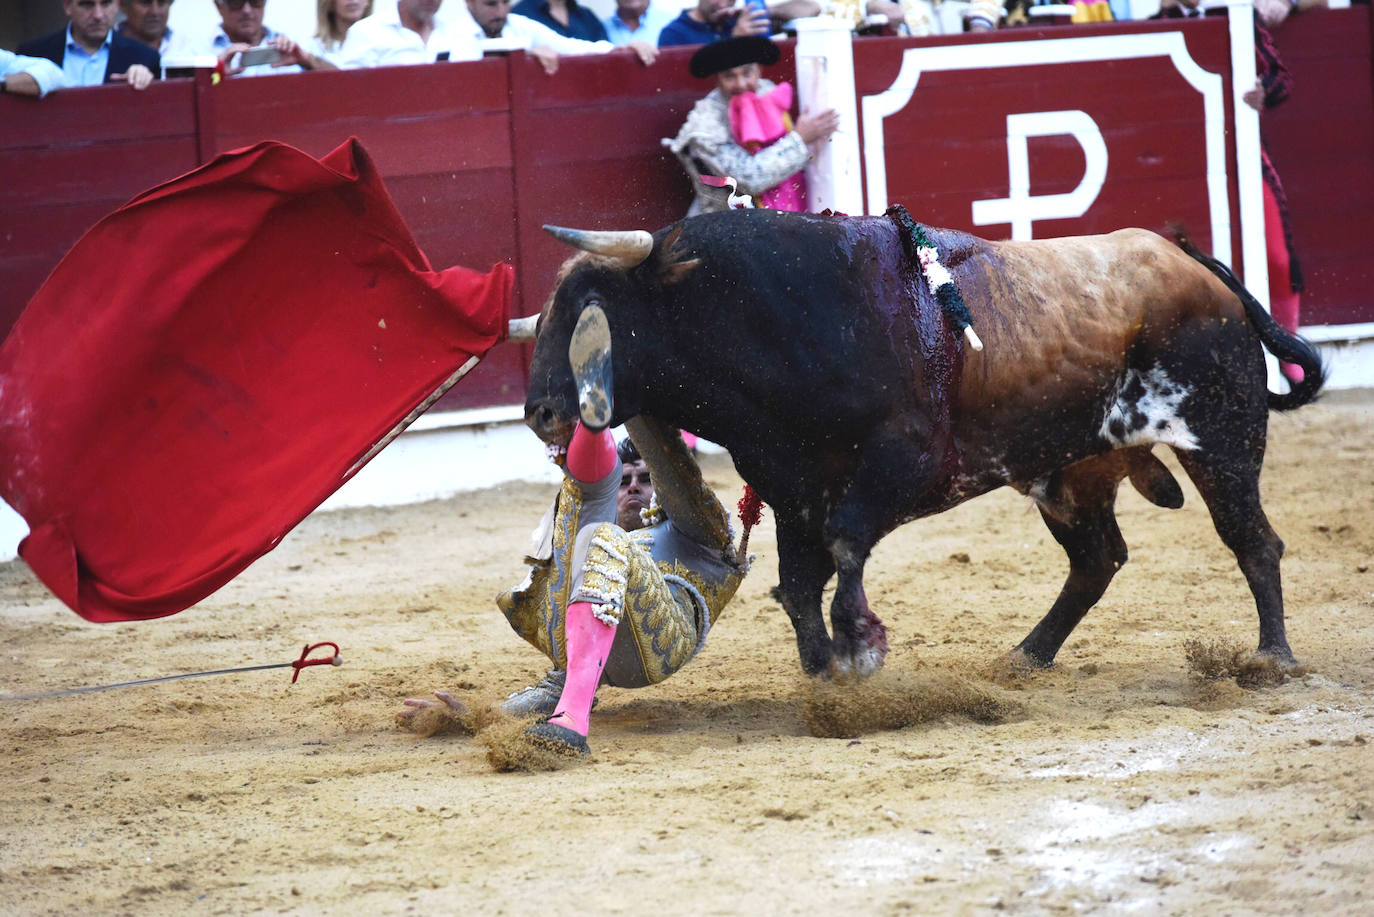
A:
{"points": [[628, 452]]}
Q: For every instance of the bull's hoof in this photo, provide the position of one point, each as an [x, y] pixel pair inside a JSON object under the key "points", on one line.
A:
{"points": [[854, 667], [862, 654], [1014, 668], [1268, 668], [1281, 658], [861, 663], [816, 660], [1020, 659]]}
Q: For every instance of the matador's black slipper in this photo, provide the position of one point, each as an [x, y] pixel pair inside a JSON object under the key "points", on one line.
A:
{"points": [[589, 353], [558, 738]]}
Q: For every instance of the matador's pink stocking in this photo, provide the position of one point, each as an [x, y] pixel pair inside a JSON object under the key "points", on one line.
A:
{"points": [[589, 645], [591, 456]]}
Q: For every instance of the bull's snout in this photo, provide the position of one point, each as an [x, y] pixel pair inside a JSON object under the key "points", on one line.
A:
{"points": [[547, 423]]}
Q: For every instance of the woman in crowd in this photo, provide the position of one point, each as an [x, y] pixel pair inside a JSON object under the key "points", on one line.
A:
{"points": [[333, 18]]}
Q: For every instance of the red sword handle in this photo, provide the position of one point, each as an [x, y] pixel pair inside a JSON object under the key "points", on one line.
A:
{"points": [[305, 660]]}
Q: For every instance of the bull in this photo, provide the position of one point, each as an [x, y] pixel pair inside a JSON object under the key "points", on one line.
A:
{"points": [[813, 349]]}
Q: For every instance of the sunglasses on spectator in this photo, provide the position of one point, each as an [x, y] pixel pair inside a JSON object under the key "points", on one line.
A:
{"points": [[237, 5]]}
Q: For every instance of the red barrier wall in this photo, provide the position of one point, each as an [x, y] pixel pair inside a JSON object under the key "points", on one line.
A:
{"points": [[479, 155], [70, 159]]}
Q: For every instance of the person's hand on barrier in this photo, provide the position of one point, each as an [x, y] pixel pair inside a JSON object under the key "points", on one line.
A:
{"points": [[1254, 97], [547, 57], [819, 126], [646, 52], [137, 76], [21, 84]]}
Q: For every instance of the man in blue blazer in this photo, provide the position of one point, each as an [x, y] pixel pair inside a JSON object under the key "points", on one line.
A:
{"points": [[91, 52]]}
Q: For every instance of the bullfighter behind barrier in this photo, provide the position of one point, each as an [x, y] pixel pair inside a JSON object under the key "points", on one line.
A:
{"points": [[710, 142]]}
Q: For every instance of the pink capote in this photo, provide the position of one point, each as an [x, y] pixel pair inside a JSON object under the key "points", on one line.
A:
{"points": [[213, 360], [758, 121]]}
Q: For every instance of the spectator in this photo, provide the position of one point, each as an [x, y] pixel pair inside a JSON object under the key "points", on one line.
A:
{"points": [[566, 17], [706, 145], [29, 76], [920, 18], [713, 20], [241, 28], [404, 32], [146, 21], [951, 17], [636, 20], [1019, 12], [333, 19], [91, 52], [494, 19]]}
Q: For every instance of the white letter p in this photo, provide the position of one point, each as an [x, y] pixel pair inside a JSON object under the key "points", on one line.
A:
{"points": [[1020, 208]]}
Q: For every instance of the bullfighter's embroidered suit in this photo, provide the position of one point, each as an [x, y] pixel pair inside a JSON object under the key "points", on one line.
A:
{"points": [[663, 585]]}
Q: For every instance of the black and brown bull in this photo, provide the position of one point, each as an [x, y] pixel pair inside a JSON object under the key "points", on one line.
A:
{"points": [[812, 348]]}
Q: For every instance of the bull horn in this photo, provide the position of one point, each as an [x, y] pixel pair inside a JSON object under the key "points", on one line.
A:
{"points": [[522, 329], [629, 248]]}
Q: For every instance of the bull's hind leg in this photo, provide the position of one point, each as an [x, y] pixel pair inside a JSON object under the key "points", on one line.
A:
{"points": [[1078, 505], [1229, 484]]}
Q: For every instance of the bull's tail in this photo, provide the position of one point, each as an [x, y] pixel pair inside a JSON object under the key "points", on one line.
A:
{"points": [[1277, 339]]}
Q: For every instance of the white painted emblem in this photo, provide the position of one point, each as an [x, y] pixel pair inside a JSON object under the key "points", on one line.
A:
{"points": [[1060, 51], [1020, 208]]}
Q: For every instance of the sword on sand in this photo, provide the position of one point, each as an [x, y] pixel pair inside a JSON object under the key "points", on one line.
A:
{"points": [[305, 661]]}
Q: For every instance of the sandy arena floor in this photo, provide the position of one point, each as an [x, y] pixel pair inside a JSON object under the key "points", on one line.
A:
{"points": [[1119, 781]]}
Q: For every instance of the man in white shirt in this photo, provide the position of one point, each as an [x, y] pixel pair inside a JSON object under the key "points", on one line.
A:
{"points": [[406, 32], [495, 20]]}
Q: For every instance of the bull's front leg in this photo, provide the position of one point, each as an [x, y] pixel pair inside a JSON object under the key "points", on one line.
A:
{"points": [[804, 567], [893, 478], [859, 636]]}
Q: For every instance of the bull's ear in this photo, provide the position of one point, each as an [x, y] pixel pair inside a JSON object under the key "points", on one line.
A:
{"points": [[673, 266], [672, 273]]}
